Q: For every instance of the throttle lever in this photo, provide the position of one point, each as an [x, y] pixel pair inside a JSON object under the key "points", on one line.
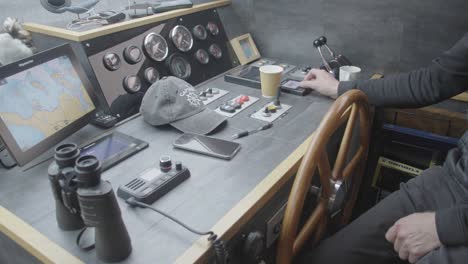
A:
{"points": [[318, 43]]}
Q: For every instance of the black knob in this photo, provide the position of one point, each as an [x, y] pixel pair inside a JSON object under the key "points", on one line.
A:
{"points": [[178, 165], [253, 248], [165, 163], [323, 40], [317, 43]]}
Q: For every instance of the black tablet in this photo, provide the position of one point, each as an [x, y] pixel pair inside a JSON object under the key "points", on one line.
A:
{"points": [[112, 148]]}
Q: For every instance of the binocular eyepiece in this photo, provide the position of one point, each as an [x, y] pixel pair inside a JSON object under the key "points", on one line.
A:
{"points": [[88, 170], [83, 199]]}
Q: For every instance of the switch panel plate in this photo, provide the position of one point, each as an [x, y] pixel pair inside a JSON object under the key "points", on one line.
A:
{"points": [[245, 105], [215, 96], [273, 116]]}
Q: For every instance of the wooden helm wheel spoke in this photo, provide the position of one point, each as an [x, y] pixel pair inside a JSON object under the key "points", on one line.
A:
{"points": [[346, 109]]}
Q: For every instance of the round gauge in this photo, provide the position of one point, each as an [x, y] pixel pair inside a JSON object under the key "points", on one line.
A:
{"points": [[133, 54], [216, 51], [213, 28], [151, 75], [132, 84], [111, 61], [156, 46], [179, 66], [199, 32], [182, 38], [202, 56]]}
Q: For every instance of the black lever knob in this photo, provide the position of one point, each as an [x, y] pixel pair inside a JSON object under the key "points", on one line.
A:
{"points": [[322, 40], [317, 43]]}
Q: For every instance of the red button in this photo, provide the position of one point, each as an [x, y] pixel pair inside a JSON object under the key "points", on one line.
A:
{"points": [[239, 101], [244, 98]]}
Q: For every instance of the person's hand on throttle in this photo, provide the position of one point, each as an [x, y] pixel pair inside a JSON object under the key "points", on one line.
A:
{"points": [[322, 82]]}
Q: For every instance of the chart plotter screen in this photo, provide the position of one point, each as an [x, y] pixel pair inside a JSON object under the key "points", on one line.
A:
{"points": [[40, 101]]}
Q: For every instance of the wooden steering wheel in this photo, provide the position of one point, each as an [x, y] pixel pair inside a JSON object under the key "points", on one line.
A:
{"points": [[336, 195]]}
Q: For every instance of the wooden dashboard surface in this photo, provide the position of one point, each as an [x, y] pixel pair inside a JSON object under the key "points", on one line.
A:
{"points": [[108, 29]]}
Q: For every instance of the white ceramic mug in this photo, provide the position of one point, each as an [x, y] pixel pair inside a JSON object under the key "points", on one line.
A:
{"points": [[349, 73]]}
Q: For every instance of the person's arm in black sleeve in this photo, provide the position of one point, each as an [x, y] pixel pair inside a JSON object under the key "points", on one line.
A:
{"points": [[452, 226], [445, 77], [452, 223]]}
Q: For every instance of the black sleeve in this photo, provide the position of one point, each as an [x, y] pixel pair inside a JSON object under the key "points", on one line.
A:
{"points": [[452, 226], [445, 77]]}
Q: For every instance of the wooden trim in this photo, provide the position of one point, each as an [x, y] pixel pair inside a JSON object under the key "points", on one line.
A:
{"points": [[128, 24], [461, 97], [32, 241], [239, 215], [435, 112], [237, 47], [377, 76]]}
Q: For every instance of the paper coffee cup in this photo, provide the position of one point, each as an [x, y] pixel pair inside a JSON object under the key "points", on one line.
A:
{"points": [[349, 73], [270, 78]]}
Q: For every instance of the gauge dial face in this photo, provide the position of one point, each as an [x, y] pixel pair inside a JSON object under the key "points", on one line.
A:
{"points": [[151, 75], [182, 38], [179, 66], [199, 32], [216, 51], [133, 54], [156, 46], [132, 84], [213, 28], [202, 56], [111, 61]]}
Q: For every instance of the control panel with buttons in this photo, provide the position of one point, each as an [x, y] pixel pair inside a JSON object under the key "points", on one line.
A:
{"points": [[299, 72], [210, 95], [271, 111], [236, 105], [153, 183], [103, 120]]}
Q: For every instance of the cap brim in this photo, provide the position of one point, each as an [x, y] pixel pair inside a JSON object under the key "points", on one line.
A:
{"points": [[201, 123]]}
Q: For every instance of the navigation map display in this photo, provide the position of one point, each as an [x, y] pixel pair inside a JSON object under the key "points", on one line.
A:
{"points": [[43, 99], [38, 102]]}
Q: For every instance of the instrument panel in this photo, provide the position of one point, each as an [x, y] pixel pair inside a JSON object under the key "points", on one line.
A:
{"points": [[127, 63]]}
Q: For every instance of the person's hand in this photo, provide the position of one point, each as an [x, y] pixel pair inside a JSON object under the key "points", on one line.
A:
{"points": [[322, 82], [414, 236]]}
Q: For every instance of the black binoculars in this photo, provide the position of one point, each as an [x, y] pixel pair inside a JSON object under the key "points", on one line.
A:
{"points": [[83, 199]]}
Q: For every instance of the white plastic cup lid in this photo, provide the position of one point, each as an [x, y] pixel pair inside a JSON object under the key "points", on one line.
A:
{"points": [[271, 69]]}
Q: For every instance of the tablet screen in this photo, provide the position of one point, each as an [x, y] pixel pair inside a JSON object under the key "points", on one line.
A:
{"points": [[112, 148]]}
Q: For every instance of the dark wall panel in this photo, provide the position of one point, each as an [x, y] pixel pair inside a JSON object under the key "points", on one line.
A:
{"points": [[379, 35]]}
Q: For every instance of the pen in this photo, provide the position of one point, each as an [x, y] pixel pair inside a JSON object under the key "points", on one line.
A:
{"points": [[246, 133]]}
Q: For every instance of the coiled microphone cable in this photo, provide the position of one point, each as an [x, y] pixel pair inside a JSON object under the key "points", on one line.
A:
{"points": [[222, 255]]}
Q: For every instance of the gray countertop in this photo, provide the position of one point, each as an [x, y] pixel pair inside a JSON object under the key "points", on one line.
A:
{"points": [[213, 189]]}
